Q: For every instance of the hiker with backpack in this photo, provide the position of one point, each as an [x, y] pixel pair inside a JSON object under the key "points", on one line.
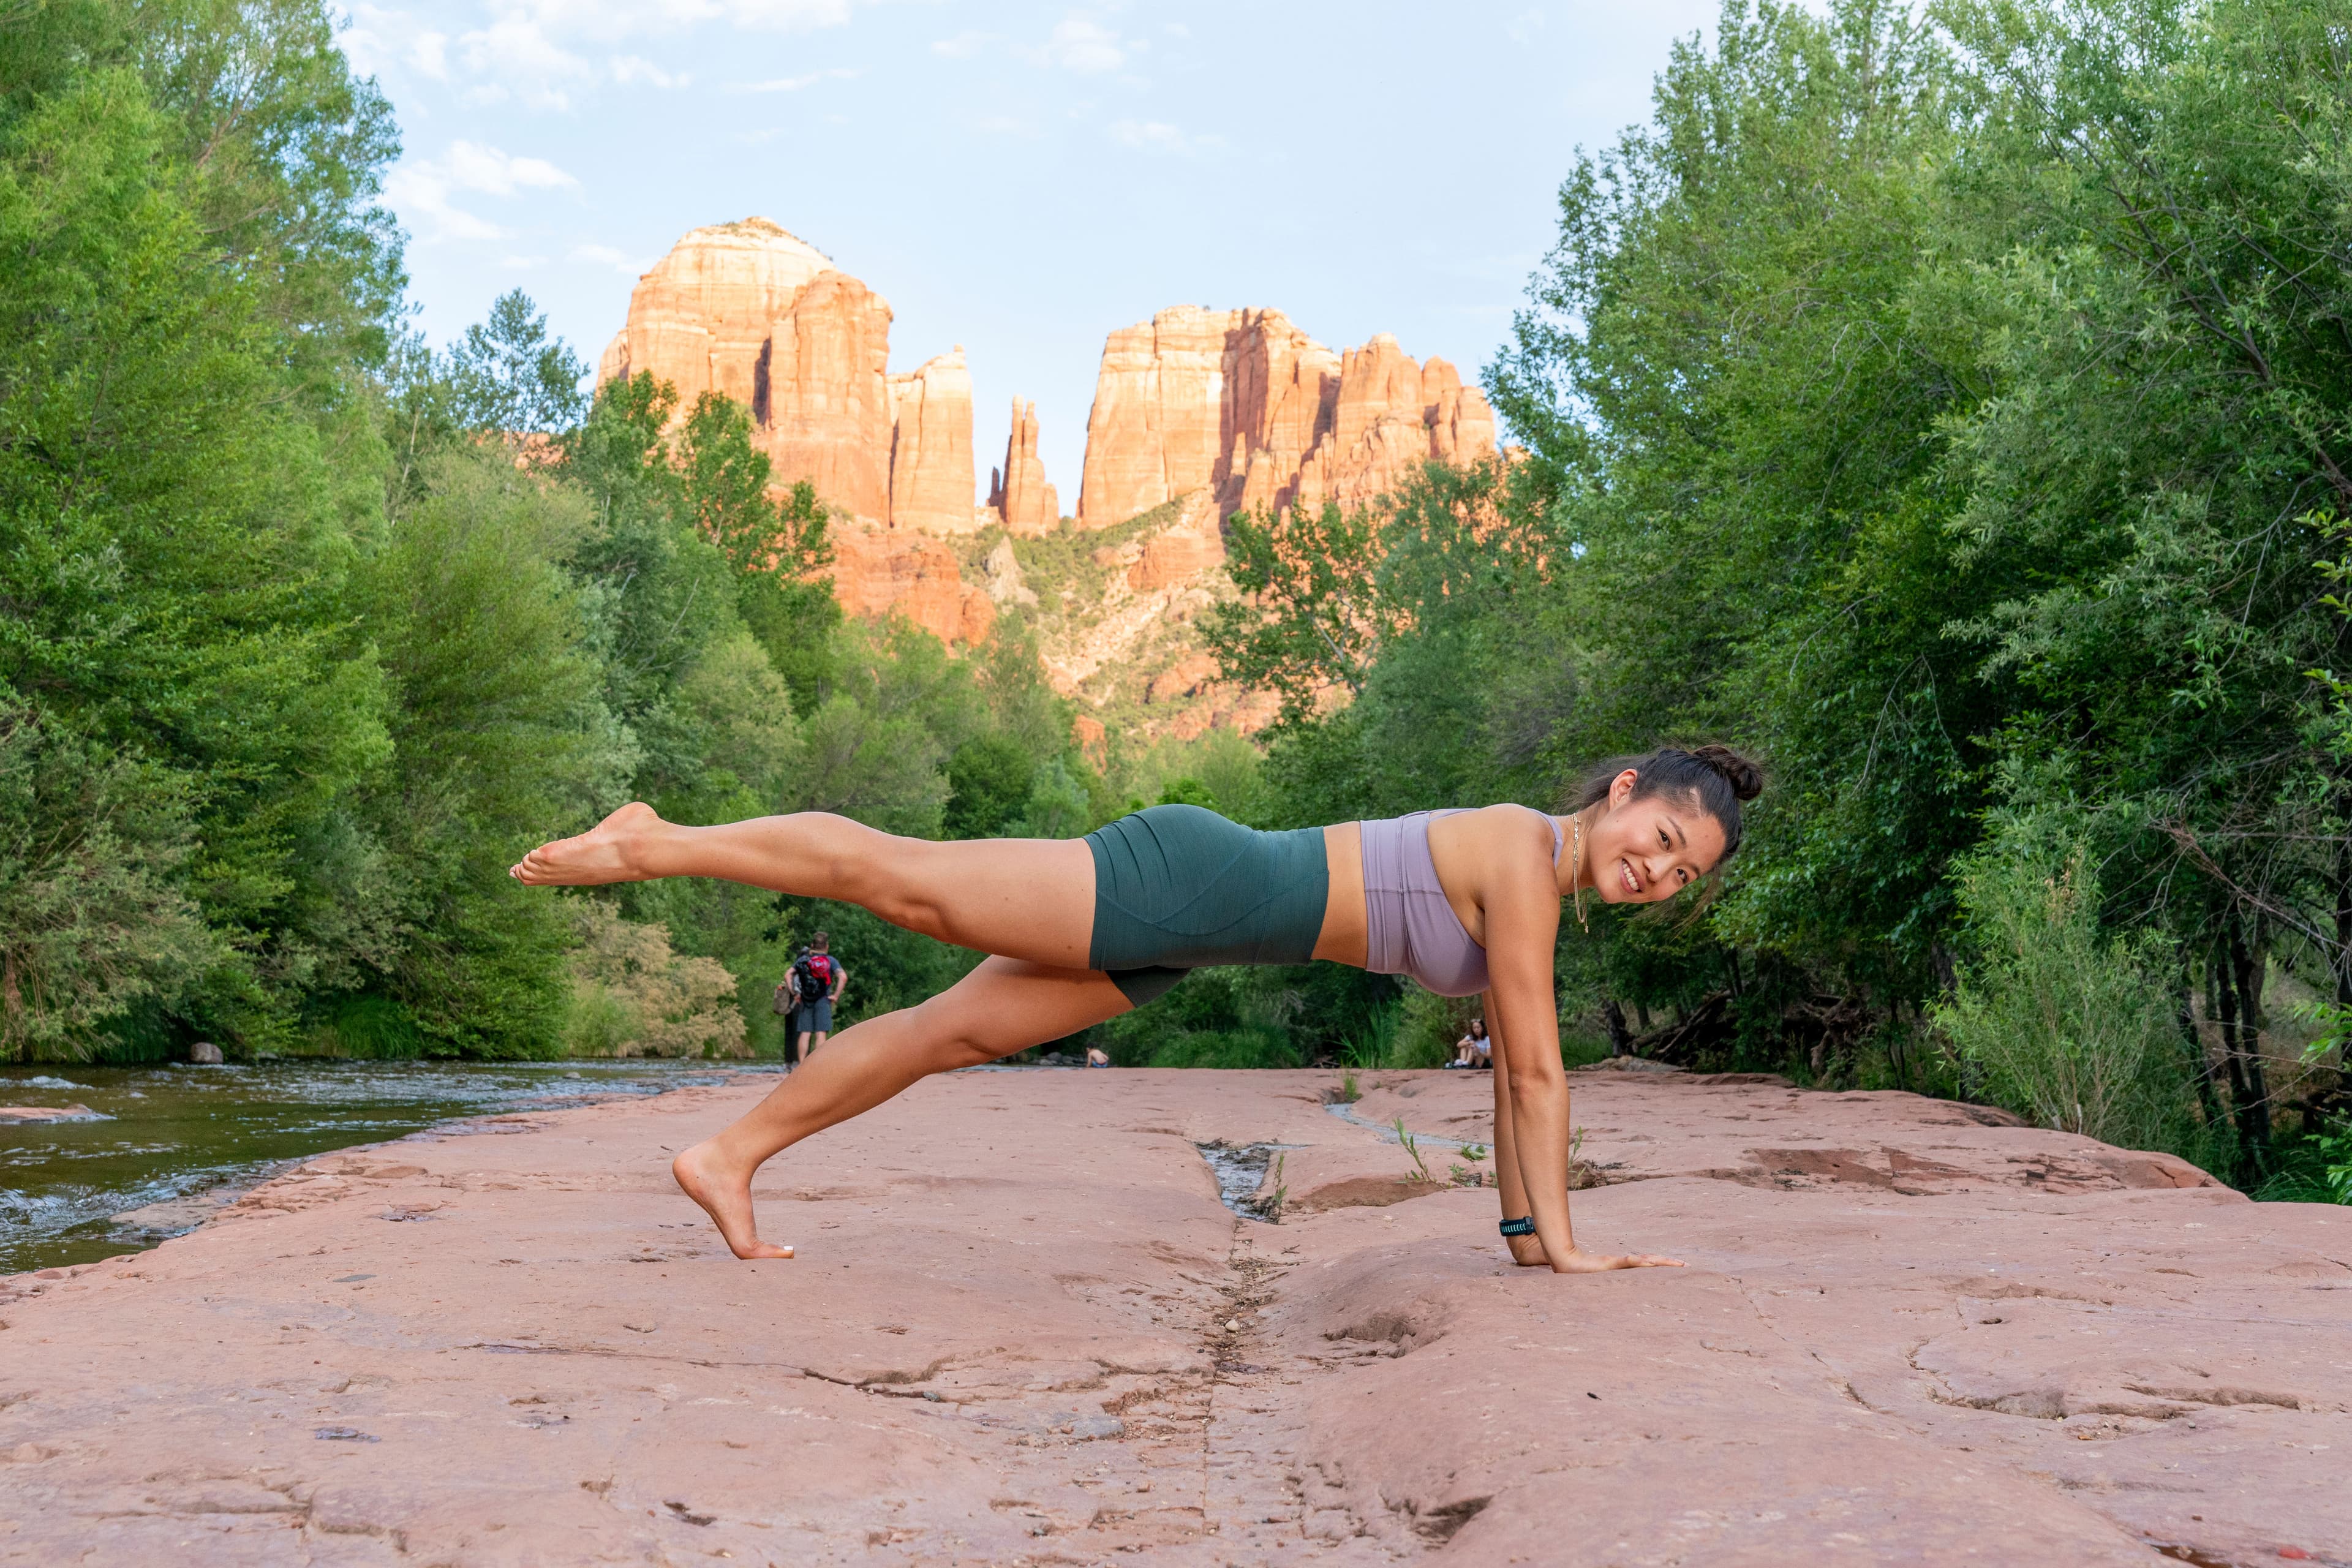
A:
{"points": [[814, 984]]}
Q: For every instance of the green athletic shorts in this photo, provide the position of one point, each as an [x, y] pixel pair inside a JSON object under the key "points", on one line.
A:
{"points": [[1178, 887]]}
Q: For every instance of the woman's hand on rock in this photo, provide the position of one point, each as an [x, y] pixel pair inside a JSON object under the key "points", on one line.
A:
{"points": [[1583, 1262]]}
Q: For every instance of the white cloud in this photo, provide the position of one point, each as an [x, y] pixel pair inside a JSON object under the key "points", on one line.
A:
{"points": [[1153, 133], [517, 50], [605, 256], [430, 55], [1176, 30], [421, 191], [964, 46], [541, 51], [474, 167], [794, 83], [1081, 44], [627, 68], [533, 48]]}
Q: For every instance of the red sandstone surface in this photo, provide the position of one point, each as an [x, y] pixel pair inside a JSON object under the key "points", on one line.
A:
{"points": [[1020, 1329]]}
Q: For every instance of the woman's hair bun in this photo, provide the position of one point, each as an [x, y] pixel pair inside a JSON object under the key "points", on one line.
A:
{"points": [[1746, 779]]}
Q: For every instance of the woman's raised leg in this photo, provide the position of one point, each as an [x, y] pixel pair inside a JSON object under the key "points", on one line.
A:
{"points": [[1004, 1005], [1020, 898]]}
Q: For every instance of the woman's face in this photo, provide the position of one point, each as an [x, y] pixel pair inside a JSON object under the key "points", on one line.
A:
{"points": [[1640, 851]]}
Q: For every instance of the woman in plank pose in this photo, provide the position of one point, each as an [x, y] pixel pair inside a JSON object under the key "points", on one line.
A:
{"points": [[1079, 931]]}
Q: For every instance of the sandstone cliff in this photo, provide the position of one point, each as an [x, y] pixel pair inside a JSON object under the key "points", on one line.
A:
{"points": [[1025, 502], [930, 448], [751, 311], [1245, 406], [1197, 413], [878, 569]]}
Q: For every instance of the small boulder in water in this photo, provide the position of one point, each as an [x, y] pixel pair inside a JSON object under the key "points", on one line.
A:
{"points": [[205, 1053], [48, 1113]]}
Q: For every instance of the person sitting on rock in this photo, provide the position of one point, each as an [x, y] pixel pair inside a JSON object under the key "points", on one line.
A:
{"points": [[1474, 1049], [1080, 930]]}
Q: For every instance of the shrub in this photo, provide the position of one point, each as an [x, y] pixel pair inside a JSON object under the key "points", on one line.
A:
{"points": [[2067, 1026], [632, 996]]}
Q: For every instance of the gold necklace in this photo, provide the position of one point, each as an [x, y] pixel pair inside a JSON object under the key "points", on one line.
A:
{"points": [[1576, 869]]}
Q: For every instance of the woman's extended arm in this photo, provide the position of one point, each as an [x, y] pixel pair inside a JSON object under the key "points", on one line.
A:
{"points": [[1522, 928]]}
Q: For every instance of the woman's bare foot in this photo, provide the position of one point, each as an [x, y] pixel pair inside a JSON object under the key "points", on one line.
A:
{"points": [[726, 1196], [606, 853], [1527, 1251]]}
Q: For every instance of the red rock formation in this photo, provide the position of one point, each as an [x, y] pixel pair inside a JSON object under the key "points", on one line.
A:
{"points": [[930, 446], [1245, 404], [747, 309], [1155, 431], [821, 398], [877, 571], [698, 320], [1188, 676], [1175, 553], [1022, 499], [1092, 739]]}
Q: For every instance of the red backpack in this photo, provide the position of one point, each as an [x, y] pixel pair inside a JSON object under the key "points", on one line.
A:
{"points": [[814, 970]]}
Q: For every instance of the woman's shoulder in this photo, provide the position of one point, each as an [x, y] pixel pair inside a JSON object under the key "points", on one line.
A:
{"points": [[1483, 838], [1506, 817]]}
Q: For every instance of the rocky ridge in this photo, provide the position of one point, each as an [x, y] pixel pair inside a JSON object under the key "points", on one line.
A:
{"points": [[1197, 413], [1245, 406]]}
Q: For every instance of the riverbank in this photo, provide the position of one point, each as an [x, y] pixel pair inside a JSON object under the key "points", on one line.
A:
{"points": [[112, 1158], [1022, 1329]]}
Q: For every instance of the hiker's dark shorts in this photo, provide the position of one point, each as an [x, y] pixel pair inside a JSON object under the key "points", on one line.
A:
{"points": [[814, 1017], [1178, 887]]}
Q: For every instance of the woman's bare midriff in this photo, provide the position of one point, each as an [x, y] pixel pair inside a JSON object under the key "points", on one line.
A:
{"points": [[1343, 937]]}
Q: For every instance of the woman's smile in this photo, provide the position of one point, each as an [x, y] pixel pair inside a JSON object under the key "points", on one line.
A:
{"points": [[1625, 875]]}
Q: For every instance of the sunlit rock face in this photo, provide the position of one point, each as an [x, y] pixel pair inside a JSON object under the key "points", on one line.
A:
{"points": [[753, 311], [930, 448], [1246, 406], [1024, 502]]}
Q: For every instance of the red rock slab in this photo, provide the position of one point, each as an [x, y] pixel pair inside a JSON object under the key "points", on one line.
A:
{"points": [[1761, 1131], [1022, 1330]]}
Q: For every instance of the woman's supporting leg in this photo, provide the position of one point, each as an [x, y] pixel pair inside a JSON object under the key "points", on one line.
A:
{"points": [[1525, 1250], [1020, 898], [1004, 1005]]}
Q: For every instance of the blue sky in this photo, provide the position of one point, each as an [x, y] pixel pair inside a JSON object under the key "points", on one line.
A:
{"points": [[1017, 178]]}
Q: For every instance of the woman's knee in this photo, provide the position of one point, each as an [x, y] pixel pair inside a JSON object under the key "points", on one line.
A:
{"points": [[877, 872], [961, 1037]]}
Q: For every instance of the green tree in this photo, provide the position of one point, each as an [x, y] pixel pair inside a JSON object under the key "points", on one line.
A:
{"points": [[507, 375]]}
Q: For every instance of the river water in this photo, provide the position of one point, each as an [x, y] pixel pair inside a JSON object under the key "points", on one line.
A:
{"points": [[167, 1144]]}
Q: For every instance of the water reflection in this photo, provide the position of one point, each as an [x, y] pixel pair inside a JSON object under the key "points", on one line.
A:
{"points": [[169, 1143]]}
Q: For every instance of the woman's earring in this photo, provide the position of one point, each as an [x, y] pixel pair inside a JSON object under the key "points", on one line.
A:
{"points": [[1576, 871]]}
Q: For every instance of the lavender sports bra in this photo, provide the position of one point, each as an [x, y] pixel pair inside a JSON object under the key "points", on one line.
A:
{"points": [[1409, 928]]}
